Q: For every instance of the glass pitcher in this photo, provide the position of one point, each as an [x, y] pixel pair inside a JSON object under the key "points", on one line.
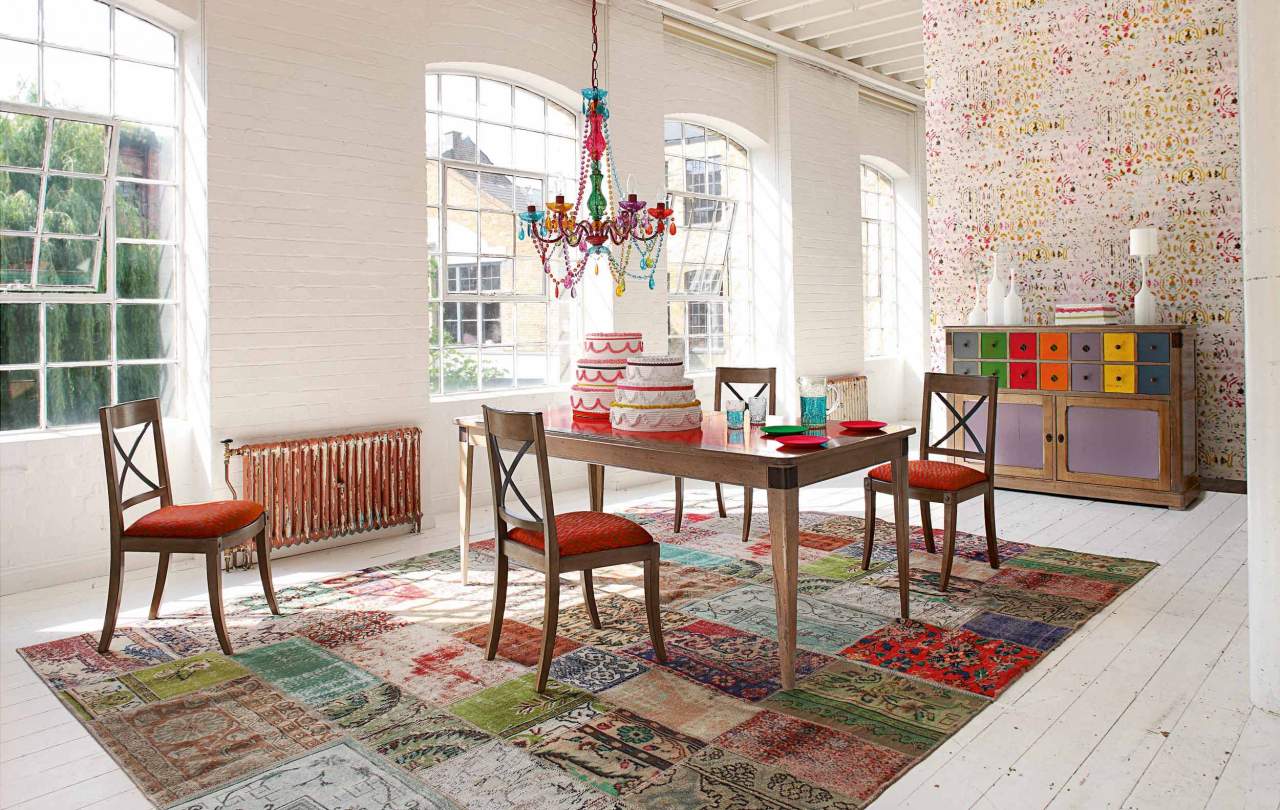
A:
{"points": [[815, 392]]}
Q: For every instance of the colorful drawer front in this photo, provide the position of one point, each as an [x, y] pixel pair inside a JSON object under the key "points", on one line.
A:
{"points": [[1117, 379], [964, 345], [995, 345], [968, 368], [1000, 370], [1086, 377], [1119, 347], [1022, 345], [1086, 346], [1053, 346], [1053, 376], [1022, 375], [1153, 380], [1153, 347]]}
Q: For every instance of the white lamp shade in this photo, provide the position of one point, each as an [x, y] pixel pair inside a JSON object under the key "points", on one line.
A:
{"points": [[1144, 242]]}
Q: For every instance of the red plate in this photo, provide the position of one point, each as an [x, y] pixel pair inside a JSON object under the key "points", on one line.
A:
{"points": [[865, 424], [801, 440]]}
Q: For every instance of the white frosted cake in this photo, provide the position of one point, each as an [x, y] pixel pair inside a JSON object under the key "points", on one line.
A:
{"points": [[599, 370], [655, 396]]}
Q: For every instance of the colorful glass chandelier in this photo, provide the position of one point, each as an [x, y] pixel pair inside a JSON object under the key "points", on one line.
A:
{"points": [[567, 244]]}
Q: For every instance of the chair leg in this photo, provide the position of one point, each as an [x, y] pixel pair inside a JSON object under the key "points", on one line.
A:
{"points": [[264, 570], [652, 606], [550, 617], [589, 594], [720, 501], [499, 606], [679, 503], [948, 540], [213, 571], [989, 506], [869, 521], [162, 571], [113, 600], [926, 523]]}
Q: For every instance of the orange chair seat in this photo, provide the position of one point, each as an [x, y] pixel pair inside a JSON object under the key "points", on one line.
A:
{"points": [[585, 532], [196, 520], [943, 475]]}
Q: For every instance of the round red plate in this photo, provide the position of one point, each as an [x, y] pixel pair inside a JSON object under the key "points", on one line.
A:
{"points": [[801, 440], [865, 424]]}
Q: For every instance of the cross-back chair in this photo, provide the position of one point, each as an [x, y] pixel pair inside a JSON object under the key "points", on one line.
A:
{"points": [[728, 377], [555, 544], [205, 528], [946, 482]]}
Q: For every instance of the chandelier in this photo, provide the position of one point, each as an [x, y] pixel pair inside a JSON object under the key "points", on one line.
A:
{"points": [[567, 244]]}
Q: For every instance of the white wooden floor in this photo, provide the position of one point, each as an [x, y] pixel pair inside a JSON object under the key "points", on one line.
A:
{"points": [[1144, 707]]}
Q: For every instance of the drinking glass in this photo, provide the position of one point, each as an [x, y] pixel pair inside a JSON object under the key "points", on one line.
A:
{"points": [[734, 413], [759, 407], [814, 395]]}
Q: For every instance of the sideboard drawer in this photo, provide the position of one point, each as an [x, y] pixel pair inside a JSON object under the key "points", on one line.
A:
{"points": [[1153, 380], [999, 370], [995, 345], [1053, 345], [1053, 376], [1119, 347], [964, 345], [1022, 375], [1118, 379], [1086, 377], [969, 368], [1086, 346], [1153, 347], [1022, 345]]}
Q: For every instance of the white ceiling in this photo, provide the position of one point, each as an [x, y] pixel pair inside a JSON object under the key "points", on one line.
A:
{"points": [[881, 35]]}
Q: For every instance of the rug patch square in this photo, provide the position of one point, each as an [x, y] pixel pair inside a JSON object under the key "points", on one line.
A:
{"points": [[519, 642], [684, 705], [76, 661], [514, 706], [174, 678], [1027, 632], [821, 626], [305, 670], [594, 669], [497, 776]]}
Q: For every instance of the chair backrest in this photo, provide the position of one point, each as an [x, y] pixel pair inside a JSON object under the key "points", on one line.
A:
{"points": [[728, 376], [120, 462], [941, 387], [519, 432]]}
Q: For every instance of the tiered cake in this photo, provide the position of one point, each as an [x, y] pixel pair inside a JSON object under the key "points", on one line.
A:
{"points": [[600, 369], [654, 395]]}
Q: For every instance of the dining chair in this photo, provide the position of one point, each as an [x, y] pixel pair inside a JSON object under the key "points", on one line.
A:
{"points": [[946, 482], [727, 377], [556, 544], [202, 528]]}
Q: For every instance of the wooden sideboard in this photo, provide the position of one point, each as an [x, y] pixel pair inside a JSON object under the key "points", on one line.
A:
{"points": [[1092, 411]]}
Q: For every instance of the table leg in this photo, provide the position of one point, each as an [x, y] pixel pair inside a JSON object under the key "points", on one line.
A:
{"points": [[595, 485], [466, 454], [901, 507], [784, 534]]}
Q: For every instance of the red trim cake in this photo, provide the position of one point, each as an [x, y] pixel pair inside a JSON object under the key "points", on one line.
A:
{"points": [[655, 396], [599, 370]]}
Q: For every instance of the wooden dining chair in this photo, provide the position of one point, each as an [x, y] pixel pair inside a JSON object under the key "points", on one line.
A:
{"points": [[946, 482], [556, 544], [727, 377], [202, 528]]}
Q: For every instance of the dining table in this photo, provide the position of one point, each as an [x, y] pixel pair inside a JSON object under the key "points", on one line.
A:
{"points": [[714, 453]]}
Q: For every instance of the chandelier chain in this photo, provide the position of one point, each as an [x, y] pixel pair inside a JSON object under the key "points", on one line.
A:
{"points": [[595, 48]]}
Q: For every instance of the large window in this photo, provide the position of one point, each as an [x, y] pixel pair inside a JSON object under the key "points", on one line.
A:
{"points": [[879, 263], [708, 181], [88, 211], [493, 148]]}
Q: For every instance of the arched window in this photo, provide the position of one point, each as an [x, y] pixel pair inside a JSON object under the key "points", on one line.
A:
{"points": [[492, 149], [709, 183], [879, 263], [88, 211]]}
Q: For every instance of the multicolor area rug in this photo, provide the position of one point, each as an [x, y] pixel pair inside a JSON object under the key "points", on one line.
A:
{"points": [[372, 692]]}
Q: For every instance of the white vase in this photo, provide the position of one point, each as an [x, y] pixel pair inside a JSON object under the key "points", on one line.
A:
{"points": [[977, 316], [1145, 312], [1013, 314], [995, 294]]}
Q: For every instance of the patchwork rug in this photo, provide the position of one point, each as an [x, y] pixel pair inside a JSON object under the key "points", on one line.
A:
{"points": [[372, 690]]}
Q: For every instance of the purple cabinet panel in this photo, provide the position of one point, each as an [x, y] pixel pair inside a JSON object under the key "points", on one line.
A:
{"points": [[1086, 377], [1086, 346], [1019, 434], [1112, 441]]}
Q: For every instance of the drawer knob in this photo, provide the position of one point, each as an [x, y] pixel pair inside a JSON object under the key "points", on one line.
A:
{"points": [[1048, 437], [1061, 438], [1117, 378], [1022, 347], [1153, 379], [1053, 347], [1053, 377], [1117, 346], [1084, 348], [1084, 376]]}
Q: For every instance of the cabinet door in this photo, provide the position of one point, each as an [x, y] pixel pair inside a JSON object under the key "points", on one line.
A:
{"points": [[1024, 434], [1109, 440]]}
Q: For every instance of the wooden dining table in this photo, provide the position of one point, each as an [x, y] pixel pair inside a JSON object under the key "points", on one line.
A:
{"points": [[716, 454]]}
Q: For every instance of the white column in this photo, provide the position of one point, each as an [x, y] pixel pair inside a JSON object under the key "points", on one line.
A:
{"points": [[1259, 121]]}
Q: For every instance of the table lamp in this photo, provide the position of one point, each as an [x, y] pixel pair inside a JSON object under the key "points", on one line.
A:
{"points": [[1144, 243]]}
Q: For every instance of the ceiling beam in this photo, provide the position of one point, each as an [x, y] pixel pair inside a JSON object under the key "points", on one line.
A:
{"points": [[868, 33], [759, 9], [729, 5], [912, 75], [807, 14], [879, 45], [894, 9], [910, 52]]}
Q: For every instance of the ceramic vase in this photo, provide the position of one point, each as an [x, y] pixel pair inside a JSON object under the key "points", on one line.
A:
{"points": [[977, 315], [995, 293], [1013, 314], [1145, 312]]}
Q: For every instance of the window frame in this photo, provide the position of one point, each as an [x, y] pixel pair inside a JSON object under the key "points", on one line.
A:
{"points": [[43, 296], [886, 273]]}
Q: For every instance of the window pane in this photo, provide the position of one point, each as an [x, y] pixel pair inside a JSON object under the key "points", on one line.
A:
{"points": [[21, 139], [145, 271], [146, 151], [19, 194], [737, 156], [461, 231], [673, 138], [561, 157], [461, 189], [433, 135], [675, 174], [528, 150], [529, 277], [715, 147], [497, 233], [79, 147], [694, 146], [499, 368], [68, 262], [495, 191], [16, 253], [77, 332], [496, 322], [457, 139], [19, 399], [80, 24], [19, 19], [461, 276], [560, 121], [529, 110], [433, 230], [461, 369], [495, 101], [495, 145], [458, 95], [72, 205], [19, 334], [528, 192], [144, 331], [77, 81], [145, 92], [433, 182], [76, 393], [145, 211], [139, 39], [144, 382], [532, 366], [18, 71], [433, 93]]}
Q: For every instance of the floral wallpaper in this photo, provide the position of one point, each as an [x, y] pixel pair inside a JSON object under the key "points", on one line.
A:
{"points": [[1052, 128]]}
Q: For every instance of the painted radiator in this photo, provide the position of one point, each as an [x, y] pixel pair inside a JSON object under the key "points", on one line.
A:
{"points": [[331, 486]]}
